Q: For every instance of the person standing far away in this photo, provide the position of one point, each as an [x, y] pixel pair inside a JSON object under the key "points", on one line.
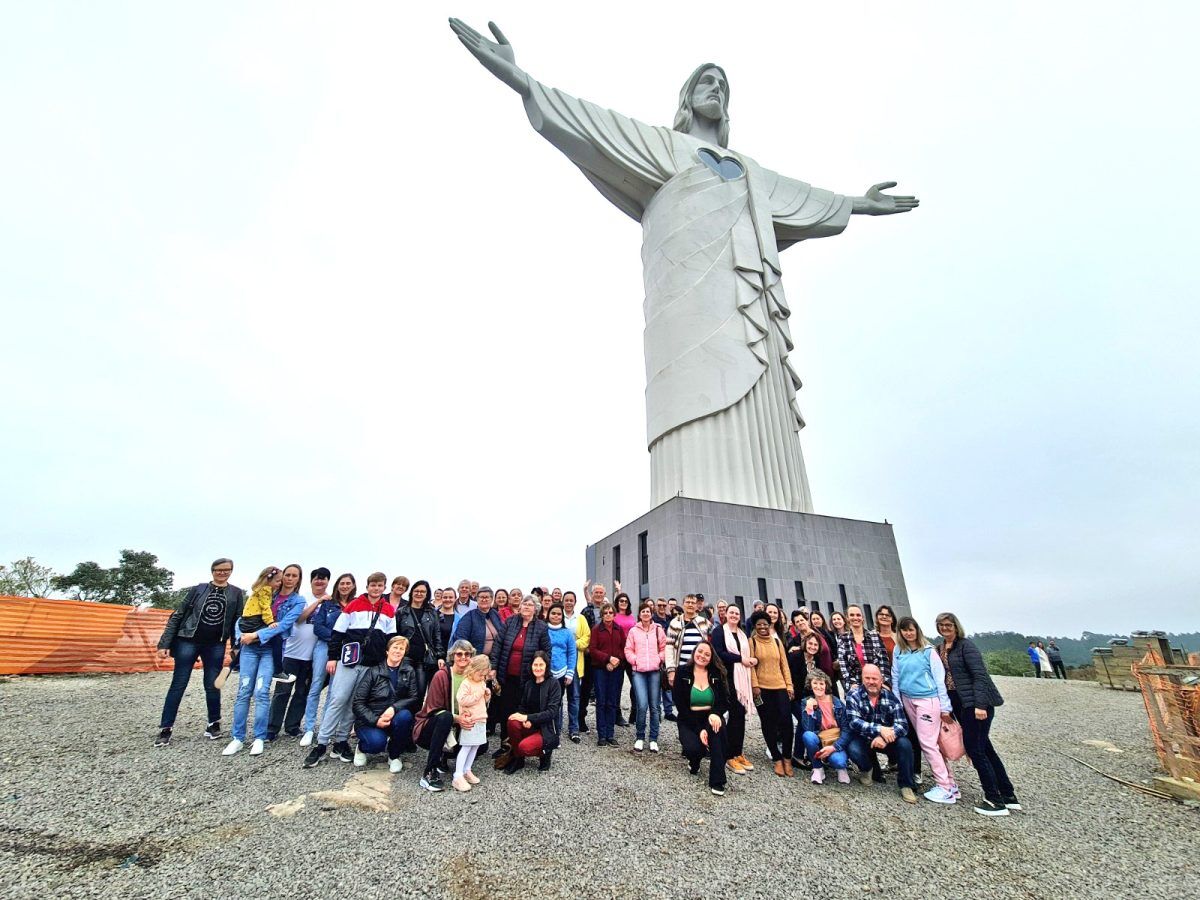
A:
{"points": [[1056, 660], [200, 628], [1035, 659]]}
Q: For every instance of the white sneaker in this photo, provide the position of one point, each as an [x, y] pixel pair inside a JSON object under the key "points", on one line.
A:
{"points": [[234, 746], [360, 758], [307, 740], [938, 795], [639, 745], [256, 748], [396, 766], [286, 678], [654, 746]]}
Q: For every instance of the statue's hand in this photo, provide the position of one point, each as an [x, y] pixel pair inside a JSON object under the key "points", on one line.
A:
{"points": [[877, 203], [496, 56]]}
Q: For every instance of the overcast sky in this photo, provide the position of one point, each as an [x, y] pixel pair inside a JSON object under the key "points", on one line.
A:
{"points": [[300, 283]]}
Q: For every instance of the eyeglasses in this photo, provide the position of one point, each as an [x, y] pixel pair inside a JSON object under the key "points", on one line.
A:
{"points": [[461, 653], [222, 571]]}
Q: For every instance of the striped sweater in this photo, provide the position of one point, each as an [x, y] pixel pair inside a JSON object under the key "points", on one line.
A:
{"points": [[354, 623]]}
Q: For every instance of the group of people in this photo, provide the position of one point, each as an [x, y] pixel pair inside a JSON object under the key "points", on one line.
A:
{"points": [[404, 666], [1047, 661]]}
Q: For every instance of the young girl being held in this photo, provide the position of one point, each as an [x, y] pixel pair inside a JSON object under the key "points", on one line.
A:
{"points": [[473, 695], [256, 613]]}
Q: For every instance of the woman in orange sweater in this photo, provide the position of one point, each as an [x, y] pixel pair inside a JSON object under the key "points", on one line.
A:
{"points": [[771, 681]]}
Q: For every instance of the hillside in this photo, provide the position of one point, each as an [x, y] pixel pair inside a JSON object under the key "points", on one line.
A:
{"points": [[1075, 651]]}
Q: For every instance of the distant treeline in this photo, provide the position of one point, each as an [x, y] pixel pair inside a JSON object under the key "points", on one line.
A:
{"points": [[1075, 651]]}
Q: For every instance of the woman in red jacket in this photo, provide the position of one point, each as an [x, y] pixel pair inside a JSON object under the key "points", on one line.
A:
{"points": [[606, 652]]}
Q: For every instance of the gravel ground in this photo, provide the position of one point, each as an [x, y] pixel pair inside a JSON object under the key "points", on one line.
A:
{"points": [[89, 808]]}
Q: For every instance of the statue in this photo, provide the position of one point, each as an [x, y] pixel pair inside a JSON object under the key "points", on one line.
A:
{"points": [[721, 419]]}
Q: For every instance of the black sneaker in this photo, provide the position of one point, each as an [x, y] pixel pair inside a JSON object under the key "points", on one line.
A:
{"points": [[292, 732], [621, 722], [575, 739], [602, 742], [213, 731], [1012, 803], [271, 736], [613, 742], [671, 717], [988, 808], [163, 739], [432, 782], [341, 750], [315, 755]]}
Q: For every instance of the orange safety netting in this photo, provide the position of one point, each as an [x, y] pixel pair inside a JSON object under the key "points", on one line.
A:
{"points": [[1172, 697], [61, 637]]}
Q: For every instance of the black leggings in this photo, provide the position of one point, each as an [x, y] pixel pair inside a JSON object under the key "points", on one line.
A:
{"points": [[694, 750], [433, 738], [776, 717], [735, 732]]}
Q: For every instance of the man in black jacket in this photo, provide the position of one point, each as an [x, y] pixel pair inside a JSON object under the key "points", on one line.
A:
{"points": [[199, 628]]}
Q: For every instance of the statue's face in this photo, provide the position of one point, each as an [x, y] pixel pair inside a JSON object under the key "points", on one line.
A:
{"points": [[710, 95]]}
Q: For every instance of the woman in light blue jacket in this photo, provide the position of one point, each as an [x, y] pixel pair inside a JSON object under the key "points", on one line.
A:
{"points": [[563, 652], [919, 680], [258, 664]]}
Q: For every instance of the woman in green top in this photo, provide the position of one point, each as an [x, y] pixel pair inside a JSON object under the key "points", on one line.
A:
{"points": [[701, 695]]}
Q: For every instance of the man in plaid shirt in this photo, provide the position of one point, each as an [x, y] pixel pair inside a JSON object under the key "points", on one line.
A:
{"points": [[878, 725]]}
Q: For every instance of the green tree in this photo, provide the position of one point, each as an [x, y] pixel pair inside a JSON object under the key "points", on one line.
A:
{"points": [[1007, 662], [26, 578], [136, 579]]}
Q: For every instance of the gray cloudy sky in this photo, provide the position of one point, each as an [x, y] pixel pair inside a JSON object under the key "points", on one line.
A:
{"points": [[297, 282]]}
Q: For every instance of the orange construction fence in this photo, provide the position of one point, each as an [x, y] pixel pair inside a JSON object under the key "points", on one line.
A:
{"points": [[61, 637]]}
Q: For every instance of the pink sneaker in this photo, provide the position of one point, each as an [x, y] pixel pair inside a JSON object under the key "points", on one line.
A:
{"points": [[843, 776], [818, 776]]}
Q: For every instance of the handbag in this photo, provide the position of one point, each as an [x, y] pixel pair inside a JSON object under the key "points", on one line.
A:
{"points": [[829, 736], [950, 740], [352, 652]]}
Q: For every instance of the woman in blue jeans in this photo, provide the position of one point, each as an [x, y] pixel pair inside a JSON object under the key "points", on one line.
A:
{"points": [[385, 704], [258, 665], [645, 646], [345, 589], [826, 732], [199, 629]]}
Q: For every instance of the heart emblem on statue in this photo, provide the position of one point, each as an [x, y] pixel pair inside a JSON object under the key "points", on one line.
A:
{"points": [[725, 166]]}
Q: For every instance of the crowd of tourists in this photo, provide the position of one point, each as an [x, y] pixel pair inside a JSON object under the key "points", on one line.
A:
{"points": [[407, 668]]}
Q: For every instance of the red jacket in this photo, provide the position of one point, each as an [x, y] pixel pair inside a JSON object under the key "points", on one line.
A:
{"points": [[606, 642]]}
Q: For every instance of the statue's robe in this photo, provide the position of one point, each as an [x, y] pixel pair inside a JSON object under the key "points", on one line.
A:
{"points": [[721, 416]]}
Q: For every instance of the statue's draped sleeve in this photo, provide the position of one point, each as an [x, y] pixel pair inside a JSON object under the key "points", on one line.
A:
{"points": [[625, 159], [800, 211]]}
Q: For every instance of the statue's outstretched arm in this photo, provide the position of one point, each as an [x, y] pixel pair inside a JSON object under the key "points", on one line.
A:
{"points": [[497, 58], [877, 203]]}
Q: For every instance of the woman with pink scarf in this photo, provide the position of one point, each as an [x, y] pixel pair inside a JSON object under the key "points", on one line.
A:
{"points": [[733, 649]]}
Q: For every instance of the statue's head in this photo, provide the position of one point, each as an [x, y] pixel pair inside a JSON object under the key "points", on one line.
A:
{"points": [[705, 93]]}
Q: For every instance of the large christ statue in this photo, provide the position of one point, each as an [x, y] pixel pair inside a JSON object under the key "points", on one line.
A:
{"points": [[721, 416]]}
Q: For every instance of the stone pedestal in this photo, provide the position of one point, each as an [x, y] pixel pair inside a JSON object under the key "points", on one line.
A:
{"points": [[744, 553]]}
